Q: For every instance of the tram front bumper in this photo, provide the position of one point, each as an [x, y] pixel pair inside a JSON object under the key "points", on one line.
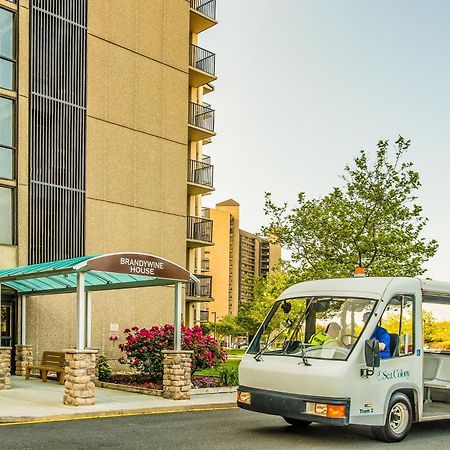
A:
{"points": [[328, 410]]}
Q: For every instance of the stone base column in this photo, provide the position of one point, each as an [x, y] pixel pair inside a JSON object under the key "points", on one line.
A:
{"points": [[79, 384], [5, 368], [24, 357], [177, 374]]}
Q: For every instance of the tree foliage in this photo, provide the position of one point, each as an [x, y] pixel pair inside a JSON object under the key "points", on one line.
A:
{"points": [[372, 221], [265, 291], [228, 326]]}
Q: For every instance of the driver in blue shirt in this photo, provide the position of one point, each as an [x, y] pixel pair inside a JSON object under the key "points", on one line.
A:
{"points": [[383, 338]]}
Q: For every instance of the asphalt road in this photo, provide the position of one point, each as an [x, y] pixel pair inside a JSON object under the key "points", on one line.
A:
{"points": [[226, 429]]}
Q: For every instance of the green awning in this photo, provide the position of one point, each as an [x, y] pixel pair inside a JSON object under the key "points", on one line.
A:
{"points": [[102, 272]]}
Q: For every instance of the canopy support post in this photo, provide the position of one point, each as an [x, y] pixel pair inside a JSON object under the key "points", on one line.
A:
{"points": [[81, 312], [177, 321], [88, 319], [23, 320]]}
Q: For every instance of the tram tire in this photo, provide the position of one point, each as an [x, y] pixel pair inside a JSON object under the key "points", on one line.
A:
{"points": [[398, 420], [297, 423]]}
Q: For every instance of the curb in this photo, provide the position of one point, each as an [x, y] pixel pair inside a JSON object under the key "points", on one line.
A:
{"points": [[214, 390], [5, 421]]}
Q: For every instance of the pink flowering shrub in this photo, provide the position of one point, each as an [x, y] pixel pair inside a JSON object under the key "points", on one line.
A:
{"points": [[143, 348]]}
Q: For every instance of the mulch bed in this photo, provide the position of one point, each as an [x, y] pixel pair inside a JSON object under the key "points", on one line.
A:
{"points": [[144, 381]]}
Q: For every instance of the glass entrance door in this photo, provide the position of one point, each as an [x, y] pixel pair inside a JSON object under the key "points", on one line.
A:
{"points": [[8, 326]]}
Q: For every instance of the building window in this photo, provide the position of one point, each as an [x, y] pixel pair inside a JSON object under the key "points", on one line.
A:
{"points": [[7, 143], [7, 216], [7, 50]]}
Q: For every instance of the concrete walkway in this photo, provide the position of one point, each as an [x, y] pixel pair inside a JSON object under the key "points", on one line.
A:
{"points": [[33, 400]]}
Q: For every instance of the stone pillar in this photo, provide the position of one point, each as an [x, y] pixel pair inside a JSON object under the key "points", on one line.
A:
{"points": [[24, 357], [79, 384], [5, 368], [177, 374]]}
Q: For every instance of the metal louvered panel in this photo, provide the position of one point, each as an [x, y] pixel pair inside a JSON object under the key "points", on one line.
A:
{"points": [[57, 129]]}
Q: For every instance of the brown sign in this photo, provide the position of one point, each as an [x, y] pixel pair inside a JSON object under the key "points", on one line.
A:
{"points": [[139, 264]]}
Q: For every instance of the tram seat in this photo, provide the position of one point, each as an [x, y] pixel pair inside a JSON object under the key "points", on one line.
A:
{"points": [[436, 372], [394, 344]]}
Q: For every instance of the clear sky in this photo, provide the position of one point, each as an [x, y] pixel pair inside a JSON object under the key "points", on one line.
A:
{"points": [[303, 85]]}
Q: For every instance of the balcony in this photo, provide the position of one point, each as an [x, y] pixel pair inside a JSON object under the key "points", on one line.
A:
{"points": [[208, 88], [199, 292], [200, 177], [205, 265], [202, 66], [202, 15], [199, 232], [201, 122]]}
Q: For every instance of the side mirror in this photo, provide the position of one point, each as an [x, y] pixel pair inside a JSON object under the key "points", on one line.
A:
{"points": [[321, 306], [372, 353]]}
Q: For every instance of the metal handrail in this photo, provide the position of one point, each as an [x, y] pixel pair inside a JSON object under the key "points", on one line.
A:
{"points": [[201, 289], [202, 59], [206, 7], [200, 173], [201, 116], [199, 229]]}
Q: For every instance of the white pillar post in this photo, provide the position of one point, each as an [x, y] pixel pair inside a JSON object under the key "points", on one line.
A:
{"points": [[88, 319], [177, 321], [198, 308], [23, 319], [81, 312]]}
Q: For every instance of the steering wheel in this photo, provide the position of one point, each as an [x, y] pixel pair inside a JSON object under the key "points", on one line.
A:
{"points": [[351, 336]]}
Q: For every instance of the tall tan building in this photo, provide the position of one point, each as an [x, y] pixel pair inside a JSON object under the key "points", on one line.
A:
{"points": [[237, 257], [102, 127]]}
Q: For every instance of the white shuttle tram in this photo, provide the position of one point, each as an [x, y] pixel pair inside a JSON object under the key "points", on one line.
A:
{"points": [[344, 381]]}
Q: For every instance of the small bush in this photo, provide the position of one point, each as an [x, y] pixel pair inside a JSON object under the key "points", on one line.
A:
{"points": [[440, 345], [229, 376], [104, 369]]}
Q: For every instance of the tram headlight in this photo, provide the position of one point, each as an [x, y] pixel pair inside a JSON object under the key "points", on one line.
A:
{"points": [[326, 410], [244, 397]]}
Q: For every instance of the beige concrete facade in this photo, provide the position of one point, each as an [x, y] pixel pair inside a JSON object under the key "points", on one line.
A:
{"points": [[236, 257], [137, 152]]}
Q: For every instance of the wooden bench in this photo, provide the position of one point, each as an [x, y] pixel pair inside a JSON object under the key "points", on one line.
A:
{"points": [[50, 362]]}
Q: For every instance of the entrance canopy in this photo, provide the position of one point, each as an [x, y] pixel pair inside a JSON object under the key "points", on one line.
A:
{"points": [[96, 273], [102, 272]]}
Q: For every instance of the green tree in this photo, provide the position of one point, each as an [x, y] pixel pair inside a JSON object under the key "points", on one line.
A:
{"points": [[228, 326], [440, 332], [372, 221], [265, 291], [428, 326]]}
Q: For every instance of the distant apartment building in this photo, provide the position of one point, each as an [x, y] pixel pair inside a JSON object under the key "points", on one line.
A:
{"points": [[102, 128], [237, 257]]}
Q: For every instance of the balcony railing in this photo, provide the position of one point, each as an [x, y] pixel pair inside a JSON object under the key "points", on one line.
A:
{"points": [[206, 7], [199, 229], [201, 289], [201, 116], [202, 59], [200, 173]]}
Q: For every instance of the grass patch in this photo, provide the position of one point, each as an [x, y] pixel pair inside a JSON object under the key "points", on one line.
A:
{"points": [[232, 363], [236, 351]]}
